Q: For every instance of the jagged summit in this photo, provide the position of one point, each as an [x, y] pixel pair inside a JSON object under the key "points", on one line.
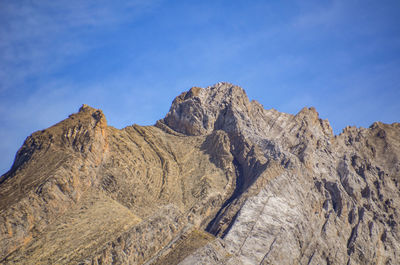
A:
{"points": [[77, 132], [225, 106], [219, 180], [201, 110]]}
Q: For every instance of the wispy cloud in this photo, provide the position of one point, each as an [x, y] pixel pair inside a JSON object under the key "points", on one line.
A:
{"points": [[327, 14], [37, 37]]}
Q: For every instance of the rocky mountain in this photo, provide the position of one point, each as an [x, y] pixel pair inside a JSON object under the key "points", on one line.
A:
{"points": [[219, 180]]}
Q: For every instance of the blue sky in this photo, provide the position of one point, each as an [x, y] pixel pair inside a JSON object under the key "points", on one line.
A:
{"points": [[131, 58]]}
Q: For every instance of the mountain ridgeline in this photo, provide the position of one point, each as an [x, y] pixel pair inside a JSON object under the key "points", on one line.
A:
{"points": [[219, 180]]}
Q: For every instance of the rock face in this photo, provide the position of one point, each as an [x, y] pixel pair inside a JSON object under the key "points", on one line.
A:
{"points": [[219, 180]]}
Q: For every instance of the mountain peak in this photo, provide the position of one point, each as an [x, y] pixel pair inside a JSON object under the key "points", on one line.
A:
{"points": [[201, 110]]}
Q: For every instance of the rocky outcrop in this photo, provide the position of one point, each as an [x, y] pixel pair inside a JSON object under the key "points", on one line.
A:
{"points": [[219, 180], [52, 170]]}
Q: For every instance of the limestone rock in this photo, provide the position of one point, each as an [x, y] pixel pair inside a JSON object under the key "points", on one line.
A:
{"points": [[219, 180]]}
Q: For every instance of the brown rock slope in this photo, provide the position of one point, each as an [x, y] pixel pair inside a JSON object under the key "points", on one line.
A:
{"points": [[219, 180]]}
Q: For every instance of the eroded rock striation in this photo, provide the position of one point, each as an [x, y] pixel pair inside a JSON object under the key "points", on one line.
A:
{"points": [[219, 180]]}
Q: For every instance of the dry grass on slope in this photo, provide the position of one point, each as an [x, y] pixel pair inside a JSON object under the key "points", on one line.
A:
{"points": [[96, 220]]}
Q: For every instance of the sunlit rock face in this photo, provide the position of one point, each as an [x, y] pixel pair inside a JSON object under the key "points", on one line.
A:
{"points": [[219, 180]]}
